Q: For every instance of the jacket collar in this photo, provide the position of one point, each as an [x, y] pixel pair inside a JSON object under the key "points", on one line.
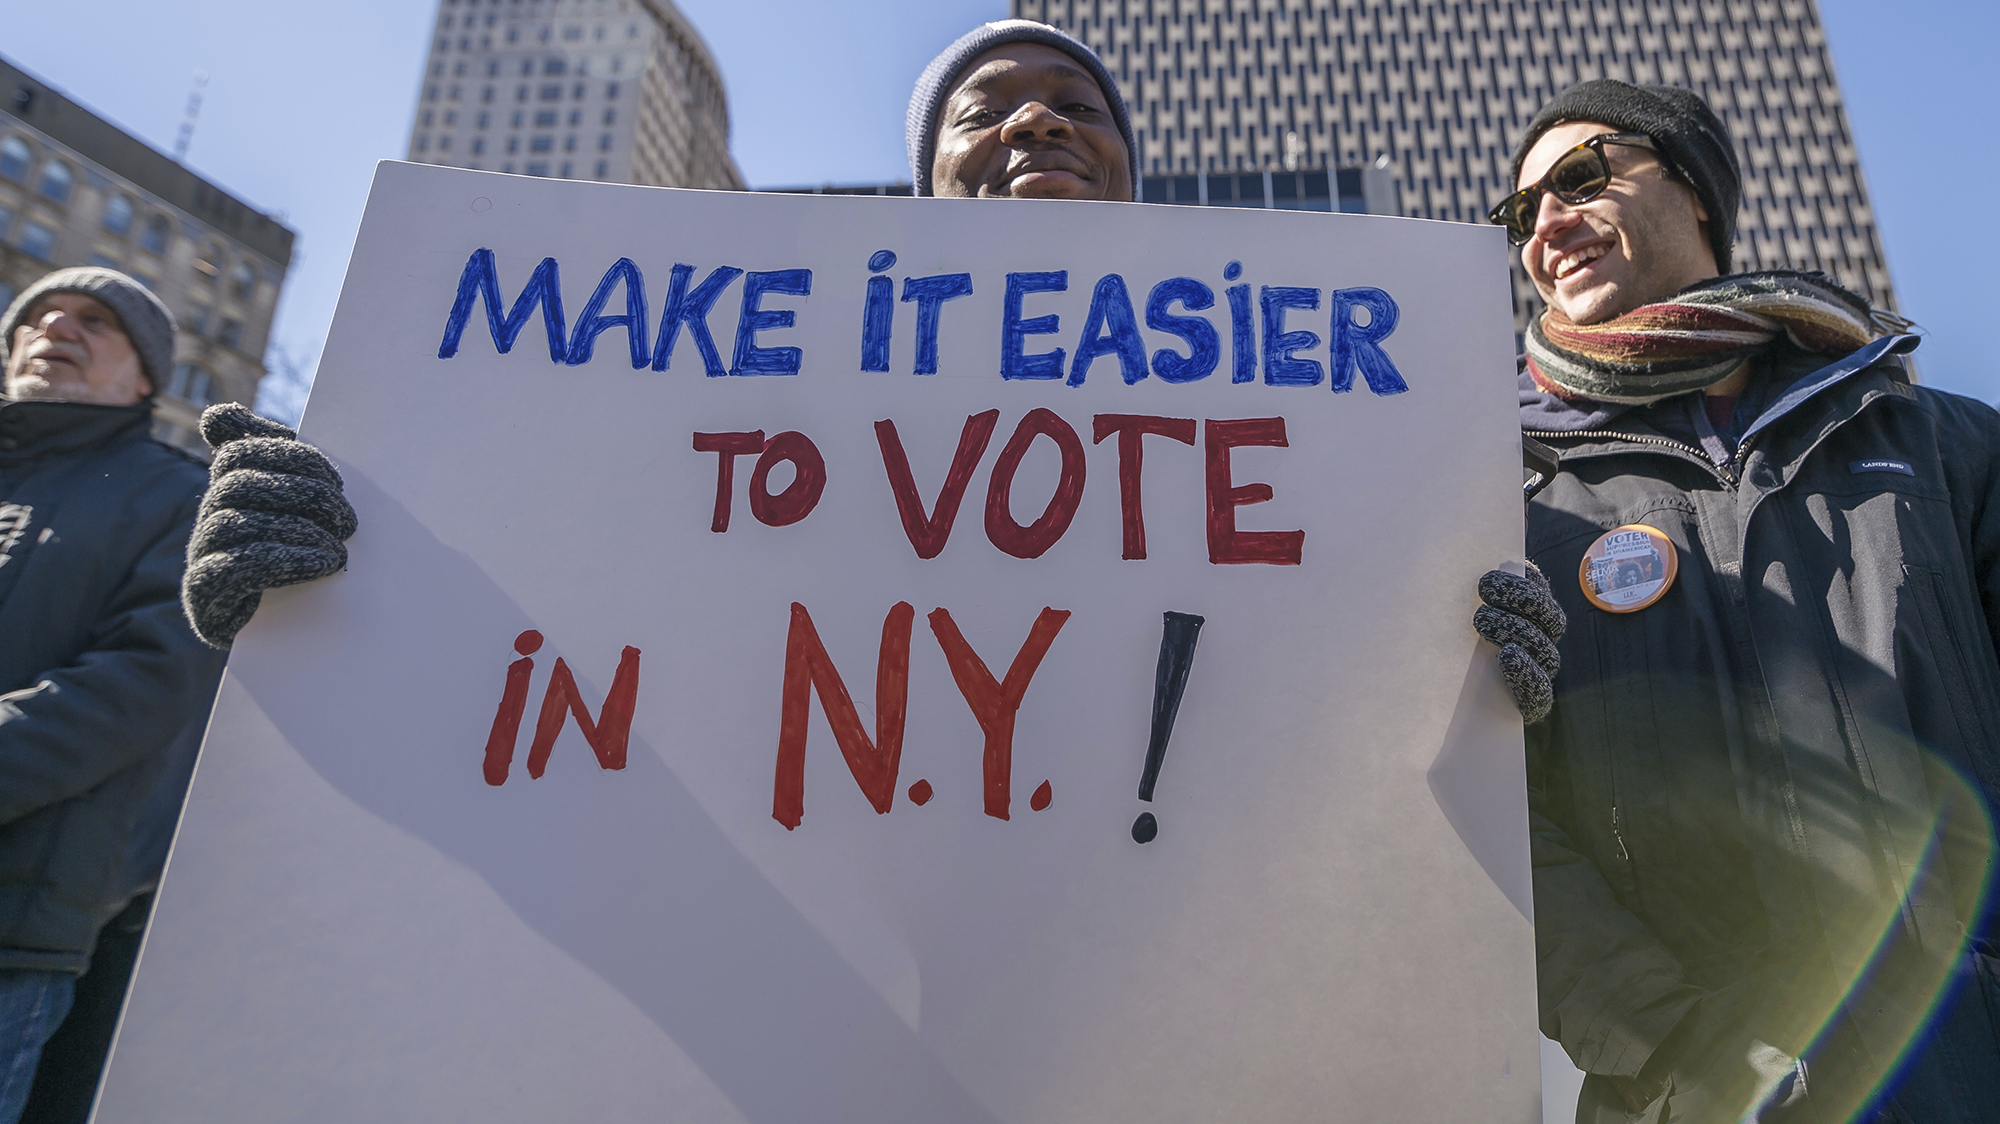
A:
{"points": [[31, 429], [1801, 381]]}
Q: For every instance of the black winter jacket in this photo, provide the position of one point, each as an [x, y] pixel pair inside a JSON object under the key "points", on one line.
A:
{"points": [[1771, 784], [99, 671]]}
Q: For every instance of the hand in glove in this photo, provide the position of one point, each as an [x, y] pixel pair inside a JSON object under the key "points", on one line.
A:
{"points": [[274, 515], [1522, 617]]}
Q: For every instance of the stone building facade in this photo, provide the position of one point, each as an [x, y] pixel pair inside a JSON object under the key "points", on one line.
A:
{"points": [[1440, 91], [622, 91], [76, 189]]}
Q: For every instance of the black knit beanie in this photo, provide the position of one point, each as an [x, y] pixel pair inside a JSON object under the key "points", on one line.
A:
{"points": [[1691, 137], [920, 126]]}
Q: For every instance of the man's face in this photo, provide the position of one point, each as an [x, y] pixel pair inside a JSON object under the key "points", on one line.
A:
{"points": [[1639, 242], [1026, 122], [71, 347]]}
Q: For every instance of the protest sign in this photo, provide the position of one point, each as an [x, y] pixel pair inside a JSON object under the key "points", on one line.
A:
{"points": [[767, 614]]}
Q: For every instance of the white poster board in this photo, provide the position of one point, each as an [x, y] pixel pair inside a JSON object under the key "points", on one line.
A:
{"points": [[359, 923]]}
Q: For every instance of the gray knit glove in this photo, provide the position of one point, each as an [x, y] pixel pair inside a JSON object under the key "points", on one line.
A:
{"points": [[1522, 617], [273, 516]]}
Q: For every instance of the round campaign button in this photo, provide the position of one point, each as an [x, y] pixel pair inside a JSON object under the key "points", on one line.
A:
{"points": [[1628, 568]]}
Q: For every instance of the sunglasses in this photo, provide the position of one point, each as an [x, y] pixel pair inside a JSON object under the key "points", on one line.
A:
{"points": [[1577, 176]]}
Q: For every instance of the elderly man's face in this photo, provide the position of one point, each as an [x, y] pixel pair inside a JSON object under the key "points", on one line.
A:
{"points": [[1639, 242], [71, 347], [1026, 122]]}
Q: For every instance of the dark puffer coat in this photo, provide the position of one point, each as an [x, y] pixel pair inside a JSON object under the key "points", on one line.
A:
{"points": [[1761, 805], [99, 671]]}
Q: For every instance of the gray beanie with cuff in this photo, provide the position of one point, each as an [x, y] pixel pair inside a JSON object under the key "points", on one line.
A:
{"points": [[920, 129], [146, 321], [1692, 139]]}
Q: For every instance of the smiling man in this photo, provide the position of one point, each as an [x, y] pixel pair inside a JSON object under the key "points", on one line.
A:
{"points": [[1018, 110], [99, 673], [1763, 782]]}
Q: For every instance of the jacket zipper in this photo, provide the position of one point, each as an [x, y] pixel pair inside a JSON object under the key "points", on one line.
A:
{"points": [[1619, 835], [1723, 472]]}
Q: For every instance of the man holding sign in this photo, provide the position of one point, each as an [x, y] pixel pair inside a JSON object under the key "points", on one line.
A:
{"points": [[568, 799], [1762, 801]]}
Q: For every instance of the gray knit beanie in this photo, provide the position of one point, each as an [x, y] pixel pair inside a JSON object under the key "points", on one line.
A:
{"points": [[920, 128], [146, 321], [1691, 137]]}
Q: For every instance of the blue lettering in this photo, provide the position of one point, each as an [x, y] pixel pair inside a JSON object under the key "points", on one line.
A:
{"points": [[754, 360], [592, 322], [1110, 307], [1014, 331], [481, 279], [1242, 336], [1361, 345], [1281, 367], [692, 309], [930, 293], [876, 317], [1204, 348]]}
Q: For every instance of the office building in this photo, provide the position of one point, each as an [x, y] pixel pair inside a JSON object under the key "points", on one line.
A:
{"points": [[76, 189], [622, 91], [1438, 92]]}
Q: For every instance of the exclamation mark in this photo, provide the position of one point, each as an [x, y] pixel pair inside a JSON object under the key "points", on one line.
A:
{"points": [[1169, 681]]}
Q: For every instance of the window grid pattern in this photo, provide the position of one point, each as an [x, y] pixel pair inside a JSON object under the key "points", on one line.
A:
{"points": [[1445, 88]]}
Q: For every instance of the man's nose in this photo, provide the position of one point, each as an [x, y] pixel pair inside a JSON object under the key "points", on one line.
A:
{"points": [[60, 325], [1032, 122], [1553, 216]]}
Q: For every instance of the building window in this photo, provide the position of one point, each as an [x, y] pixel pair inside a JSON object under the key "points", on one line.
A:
{"points": [[154, 237], [424, 143], [195, 321], [513, 145], [538, 168], [430, 118], [230, 334], [611, 90], [508, 167], [580, 91], [15, 156], [191, 384], [565, 169], [610, 115], [104, 261], [459, 70], [486, 96], [118, 214], [478, 146], [513, 34], [546, 119], [518, 118], [431, 94], [451, 118], [444, 144], [551, 93], [38, 241], [242, 281], [493, 69], [6, 220], [555, 66], [520, 93], [575, 118], [56, 181], [569, 143], [572, 33], [542, 144], [603, 168], [485, 119]]}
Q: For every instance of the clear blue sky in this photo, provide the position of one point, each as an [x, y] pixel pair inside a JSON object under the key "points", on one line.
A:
{"points": [[303, 98]]}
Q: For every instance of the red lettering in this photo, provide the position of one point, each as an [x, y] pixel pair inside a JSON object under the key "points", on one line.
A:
{"points": [[1226, 544], [729, 446], [1132, 430], [994, 704], [607, 735], [928, 533], [513, 703], [1035, 538], [809, 668], [802, 494]]}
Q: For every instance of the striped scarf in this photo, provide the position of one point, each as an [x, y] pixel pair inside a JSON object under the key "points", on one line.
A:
{"points": [[1695, 339]]}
